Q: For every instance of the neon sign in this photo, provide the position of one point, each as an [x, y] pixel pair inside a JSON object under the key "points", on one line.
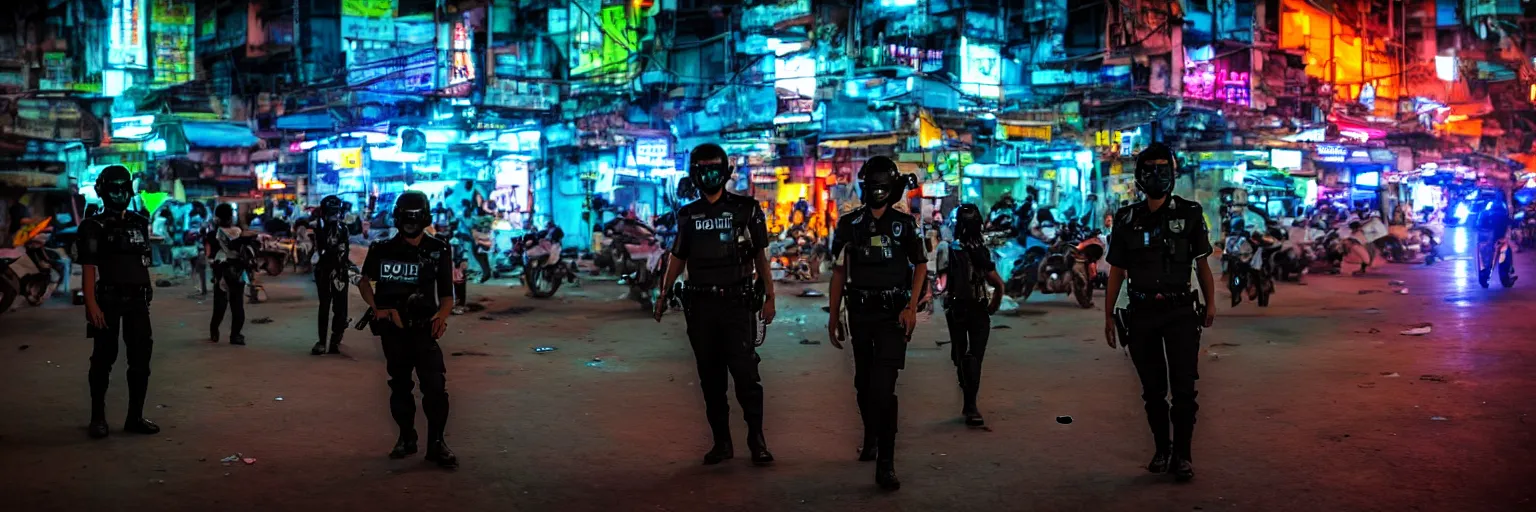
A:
{"points": [[127, 48], [916, 58], [463, 68], [1332, 152]]}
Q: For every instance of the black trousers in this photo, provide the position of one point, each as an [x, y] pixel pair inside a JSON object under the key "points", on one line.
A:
{"points": [[231, 296], [413, 349], [879, 354], [1164, 344], [969, 328], [127, 313], [332, 285], [723, 334]]}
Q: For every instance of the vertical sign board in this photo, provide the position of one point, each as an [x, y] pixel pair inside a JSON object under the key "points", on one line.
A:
{"points": [[127, 47], [173, 25]]}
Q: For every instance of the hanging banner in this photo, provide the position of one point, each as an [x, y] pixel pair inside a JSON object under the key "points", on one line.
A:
{"points": [[127, 46], [172, 22]]}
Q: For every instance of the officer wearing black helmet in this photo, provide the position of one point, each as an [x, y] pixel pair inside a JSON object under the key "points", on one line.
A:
{"points": [[721, 242], [1152, 248], [968, 305], [408, 286], [881, 265], [331, 280], [114, 252]]}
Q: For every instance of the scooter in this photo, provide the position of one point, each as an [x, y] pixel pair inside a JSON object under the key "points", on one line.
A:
{"points": [[1244, 259], [1495, 254], [643, 283], [547, 266], [36, 268], [1058, 267]]}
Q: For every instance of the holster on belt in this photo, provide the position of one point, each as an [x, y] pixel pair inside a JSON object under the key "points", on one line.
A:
{"points": [[871, 301]]}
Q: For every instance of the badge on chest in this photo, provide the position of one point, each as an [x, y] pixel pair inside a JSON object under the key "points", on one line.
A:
{"points": [[399, 271]]}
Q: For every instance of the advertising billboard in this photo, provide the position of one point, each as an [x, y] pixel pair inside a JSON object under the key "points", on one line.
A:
{"points": [[174, 25], [127, 46]]}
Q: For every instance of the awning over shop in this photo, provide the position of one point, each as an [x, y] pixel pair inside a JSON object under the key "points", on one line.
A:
{"points": [[860, 143], [304, 121], [218, 135]]}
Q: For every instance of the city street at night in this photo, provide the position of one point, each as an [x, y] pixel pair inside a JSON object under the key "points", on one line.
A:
{"points": [[1314, 403], [542, 229]]}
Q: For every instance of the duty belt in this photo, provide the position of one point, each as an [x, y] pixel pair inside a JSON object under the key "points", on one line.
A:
{"points": [[888, 299], [1162, 299], [123, 293], [739, 293]]}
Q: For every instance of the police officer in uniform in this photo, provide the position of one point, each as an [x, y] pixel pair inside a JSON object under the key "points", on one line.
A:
{"points": [[722, 239], [114, 252], [967, 305], [1152, 247], [408, 285], [881, 265], [331, 279]]}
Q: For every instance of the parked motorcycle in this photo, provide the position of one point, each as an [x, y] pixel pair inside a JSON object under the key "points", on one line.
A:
{"points": [[36, 267], [1244, 258], [1056, 260], [1495, 254], [645, 281], [1290, 258], [546, 267]]}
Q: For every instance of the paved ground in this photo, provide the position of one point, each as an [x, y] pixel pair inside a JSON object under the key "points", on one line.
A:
{"points": [[1316, 403]]}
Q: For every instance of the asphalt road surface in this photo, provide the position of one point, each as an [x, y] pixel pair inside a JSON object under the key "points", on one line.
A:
{"points": [[1316, 403]]}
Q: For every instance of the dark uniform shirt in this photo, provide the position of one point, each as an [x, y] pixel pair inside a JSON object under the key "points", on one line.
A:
{"points": [[1158, 249], [331, 243], [720, 240], [878, 253], [118, 245], [410, 278]]}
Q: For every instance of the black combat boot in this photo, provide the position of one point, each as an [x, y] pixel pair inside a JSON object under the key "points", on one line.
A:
{"points": [[318, 349], [335, 343], [405, 446], [138, 386], [757, 445], [438, 452], [98, 426], [1160, 461], [236, 339], [1183, 470], [885, 461], [723, 450], [971, 368]]}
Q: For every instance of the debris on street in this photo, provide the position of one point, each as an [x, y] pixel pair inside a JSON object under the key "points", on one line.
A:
{"points": [[1390, 374], [1002, 326], [1224, 344], [24, 347], [1438, 418], [470, 353], [1403, 291], [1396, 283], [809, 341], [1433, 377], [278, 399], [262, 320], [1367, 292], [544, 349], [231, 458], [248, 461], [808, 292], [1418, 329], [1064, 420]]}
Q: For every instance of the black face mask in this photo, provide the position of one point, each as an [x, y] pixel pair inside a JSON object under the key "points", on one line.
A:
{"points": [[710, 178], [1156, 182], [411, 222]]}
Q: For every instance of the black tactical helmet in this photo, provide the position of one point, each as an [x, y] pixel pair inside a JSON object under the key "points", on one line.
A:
{"points": [[880, 183], [331, 207], [709, 168], [1156, 169], [967, 222], [412, 212], [115, 188]]}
